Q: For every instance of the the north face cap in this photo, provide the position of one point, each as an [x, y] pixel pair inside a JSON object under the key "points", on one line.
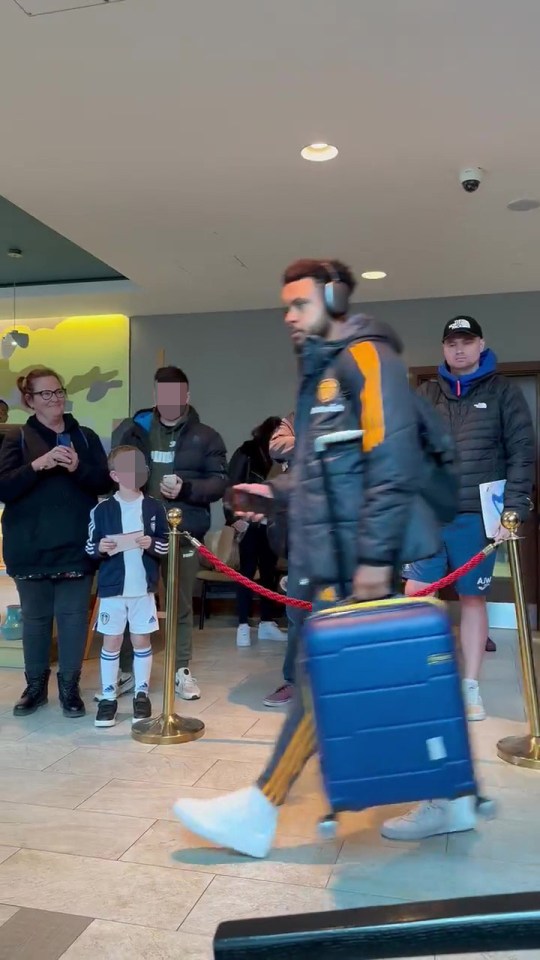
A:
{"points": [[462, 325]]}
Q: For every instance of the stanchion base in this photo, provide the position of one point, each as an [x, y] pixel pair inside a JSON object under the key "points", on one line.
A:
{"points": [[521, 751], [167, 729]]}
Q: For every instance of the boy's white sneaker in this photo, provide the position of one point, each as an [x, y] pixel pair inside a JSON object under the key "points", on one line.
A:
{"points": [[432, 818], [244, 821]]}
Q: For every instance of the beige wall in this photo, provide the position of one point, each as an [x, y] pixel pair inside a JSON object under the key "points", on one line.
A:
{"points": [[242, 370]]}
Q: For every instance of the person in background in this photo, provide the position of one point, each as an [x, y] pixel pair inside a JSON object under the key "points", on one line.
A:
{"points": [[187, 467], [51, 473], [492, 429], [252, 463], [4, 411], [281, 451], [127, 580]]}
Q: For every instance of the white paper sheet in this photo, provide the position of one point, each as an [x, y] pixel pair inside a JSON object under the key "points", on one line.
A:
{"points": [[492, 500]]}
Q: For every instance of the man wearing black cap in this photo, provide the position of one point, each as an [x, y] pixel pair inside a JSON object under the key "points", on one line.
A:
{"points": [[492, 429]]}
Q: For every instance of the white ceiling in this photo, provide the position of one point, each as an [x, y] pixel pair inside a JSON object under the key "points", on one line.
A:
{"points": [[163, 136]]}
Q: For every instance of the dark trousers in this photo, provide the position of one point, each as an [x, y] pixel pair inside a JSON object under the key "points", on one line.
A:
{"points": [[256, 554], [189, 568], [42, 601]]}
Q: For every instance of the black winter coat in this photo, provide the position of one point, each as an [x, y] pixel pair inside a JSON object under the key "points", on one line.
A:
{"points": [[248, 465], [373, 483], [493, 433], [200, 459], [46, 513]]}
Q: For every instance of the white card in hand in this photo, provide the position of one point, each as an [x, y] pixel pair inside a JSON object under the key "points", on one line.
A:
{"points": [[125, 541], [492, 501]]}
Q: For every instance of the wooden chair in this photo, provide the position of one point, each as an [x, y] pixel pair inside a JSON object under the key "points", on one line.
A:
{"points": [[221, 544]]}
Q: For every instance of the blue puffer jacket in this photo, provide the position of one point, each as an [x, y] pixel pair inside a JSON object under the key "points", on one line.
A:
{"points": [[358, 382]]}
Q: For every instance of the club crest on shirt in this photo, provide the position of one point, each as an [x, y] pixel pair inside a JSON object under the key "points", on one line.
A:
{"points": [[153, 524], [327, 595], [327, 390]]}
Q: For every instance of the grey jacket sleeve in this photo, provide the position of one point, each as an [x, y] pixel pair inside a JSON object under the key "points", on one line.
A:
{"points": [[519, 446], [378, 387]]}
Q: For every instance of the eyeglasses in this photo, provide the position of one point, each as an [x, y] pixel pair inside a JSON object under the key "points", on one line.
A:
{"points": [[49, 394]]}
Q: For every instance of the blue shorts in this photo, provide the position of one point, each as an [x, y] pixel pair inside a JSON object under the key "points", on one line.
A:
{"points": [[462, 539]]}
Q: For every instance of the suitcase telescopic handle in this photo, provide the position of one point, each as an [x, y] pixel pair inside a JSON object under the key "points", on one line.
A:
{"points": [[322, 444]]}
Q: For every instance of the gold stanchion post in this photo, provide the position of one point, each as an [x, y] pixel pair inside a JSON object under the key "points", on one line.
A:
{"points": [[522, 751], [169, 727]]}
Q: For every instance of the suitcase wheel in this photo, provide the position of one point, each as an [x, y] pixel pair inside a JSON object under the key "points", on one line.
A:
{"points": [[328, 827]]}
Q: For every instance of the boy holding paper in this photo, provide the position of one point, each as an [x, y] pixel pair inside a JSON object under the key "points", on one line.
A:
{"points": [[129, 534]]}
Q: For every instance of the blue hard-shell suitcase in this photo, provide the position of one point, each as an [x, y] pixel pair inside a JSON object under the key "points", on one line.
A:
{"points": [[388, 704]]}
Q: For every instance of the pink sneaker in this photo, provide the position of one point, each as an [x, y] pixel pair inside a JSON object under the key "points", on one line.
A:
{"points": [[281, 697]]}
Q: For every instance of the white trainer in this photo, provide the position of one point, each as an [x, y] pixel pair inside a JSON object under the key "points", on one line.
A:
{"points": [[473, 701], [268, 630], [432, 818], [244, 821], [186, 686], [243, 635]]}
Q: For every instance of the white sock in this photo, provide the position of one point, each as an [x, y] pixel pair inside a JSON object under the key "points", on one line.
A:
{"points": [[142, 668], [109, 673]]}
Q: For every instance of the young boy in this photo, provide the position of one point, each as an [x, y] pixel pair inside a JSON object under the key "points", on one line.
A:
{"points": [[128, 577]]}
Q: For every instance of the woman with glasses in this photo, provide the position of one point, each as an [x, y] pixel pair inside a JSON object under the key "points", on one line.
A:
{"points": [[51, 473]]}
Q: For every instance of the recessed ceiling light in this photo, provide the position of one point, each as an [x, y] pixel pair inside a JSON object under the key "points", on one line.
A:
{"points": [[319, 152], [374, 275], [522, 206]]}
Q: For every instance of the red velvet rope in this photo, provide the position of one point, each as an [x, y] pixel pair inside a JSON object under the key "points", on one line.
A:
{"points": [[305, 604]]}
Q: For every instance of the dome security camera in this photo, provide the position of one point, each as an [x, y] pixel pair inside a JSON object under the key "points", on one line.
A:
{"points": [[471, 178]]}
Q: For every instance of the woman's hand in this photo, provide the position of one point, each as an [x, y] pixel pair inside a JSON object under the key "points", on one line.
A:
{"points": [[72, 464], [57, 457]]}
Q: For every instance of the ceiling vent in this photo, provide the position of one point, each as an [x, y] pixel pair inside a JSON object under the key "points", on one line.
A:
{"points": [[41, 8]]}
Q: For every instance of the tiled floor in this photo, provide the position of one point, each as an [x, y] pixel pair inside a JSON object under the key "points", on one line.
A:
{"points": [[87, 834]]}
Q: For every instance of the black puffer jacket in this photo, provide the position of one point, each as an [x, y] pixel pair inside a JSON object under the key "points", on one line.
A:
{"points": [[357, 382], [491, 426], [200, 459], [249, 464], [45, 519]]}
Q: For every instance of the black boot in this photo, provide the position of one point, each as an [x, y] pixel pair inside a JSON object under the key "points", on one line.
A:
{"points": [[35, 694], [69, 693]]}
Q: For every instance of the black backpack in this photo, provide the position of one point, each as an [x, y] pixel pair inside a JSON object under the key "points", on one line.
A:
{"points": [[440, 481]]}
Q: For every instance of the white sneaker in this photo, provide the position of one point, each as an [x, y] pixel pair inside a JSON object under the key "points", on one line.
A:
{"points": [[268, 630], [186, 686], [125, 683], [243, 635], [432, 818], [244, 821], [473, 701]]}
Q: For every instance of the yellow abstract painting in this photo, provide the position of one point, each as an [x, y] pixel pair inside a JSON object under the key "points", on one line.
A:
{"points": [[90, 354]]}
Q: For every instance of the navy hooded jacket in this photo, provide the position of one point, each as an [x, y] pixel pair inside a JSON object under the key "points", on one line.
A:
{"points": [[373, 483], [492, 429]]}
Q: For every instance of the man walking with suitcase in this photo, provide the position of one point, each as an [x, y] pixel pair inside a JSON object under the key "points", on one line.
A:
{"points": [[352, 380]]}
